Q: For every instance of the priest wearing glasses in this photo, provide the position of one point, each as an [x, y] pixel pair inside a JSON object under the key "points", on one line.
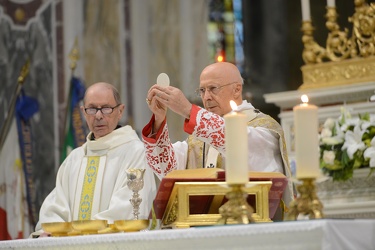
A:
{"points": [[91, 183], [205, 146]]}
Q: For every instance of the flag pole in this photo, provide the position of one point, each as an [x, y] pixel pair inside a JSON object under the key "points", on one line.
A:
{"points": [[74, 57], [8, 120]]}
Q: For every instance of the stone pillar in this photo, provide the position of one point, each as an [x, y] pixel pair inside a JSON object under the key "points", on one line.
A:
{"points": [[170, 37]]}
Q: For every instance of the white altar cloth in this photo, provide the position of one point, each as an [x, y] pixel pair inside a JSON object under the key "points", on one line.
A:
{"points": [[326, 234]]}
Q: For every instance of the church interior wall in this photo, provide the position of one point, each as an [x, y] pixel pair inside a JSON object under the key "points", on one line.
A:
{"points": [[128, 43]]}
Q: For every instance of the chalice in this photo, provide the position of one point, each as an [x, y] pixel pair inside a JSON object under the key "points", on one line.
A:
{"points": [[135, 184]]}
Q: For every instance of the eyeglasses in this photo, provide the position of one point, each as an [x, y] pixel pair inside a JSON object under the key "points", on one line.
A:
{"points": [[104, 110], [212, 89]]}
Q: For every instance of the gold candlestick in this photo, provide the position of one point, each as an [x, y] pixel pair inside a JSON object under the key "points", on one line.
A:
{"points": [[307, 203], [135, 183], [236, 210], [312, 52], [338, 46]]}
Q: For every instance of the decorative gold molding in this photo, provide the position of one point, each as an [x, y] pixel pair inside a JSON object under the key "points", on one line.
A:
{"points": [[329, 74], [347, 57]]}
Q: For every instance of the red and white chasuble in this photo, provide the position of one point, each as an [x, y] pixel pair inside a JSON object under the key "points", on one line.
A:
{"points": [[267, 149]]}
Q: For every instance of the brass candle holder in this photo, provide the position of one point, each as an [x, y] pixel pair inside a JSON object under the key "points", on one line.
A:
{"points": [[236, 210], [307, 203]]}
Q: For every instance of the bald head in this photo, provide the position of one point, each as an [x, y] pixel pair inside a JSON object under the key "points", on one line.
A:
{"points": [[103, 86], [220, 83], [227, 72]]}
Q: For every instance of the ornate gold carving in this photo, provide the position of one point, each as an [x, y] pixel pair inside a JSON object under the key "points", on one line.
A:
{"points": [[172, 215], [347, 58], [338, 73], [236, 208], [307, 203]]}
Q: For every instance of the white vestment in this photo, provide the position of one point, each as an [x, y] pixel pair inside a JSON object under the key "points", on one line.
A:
{"points": [[117, 151]]}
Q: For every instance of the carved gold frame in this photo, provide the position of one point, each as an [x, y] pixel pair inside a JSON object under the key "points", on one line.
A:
{"points": [[177, 214]]}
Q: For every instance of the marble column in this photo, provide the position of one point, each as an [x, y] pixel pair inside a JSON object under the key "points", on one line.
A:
{"points": [[171, 37]]}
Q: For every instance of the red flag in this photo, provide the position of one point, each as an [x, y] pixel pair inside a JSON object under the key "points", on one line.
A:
{"points": [[14, 218]]}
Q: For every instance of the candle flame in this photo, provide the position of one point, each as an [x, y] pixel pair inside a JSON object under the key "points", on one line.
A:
{"points": [[233, 105], [304, 98]]}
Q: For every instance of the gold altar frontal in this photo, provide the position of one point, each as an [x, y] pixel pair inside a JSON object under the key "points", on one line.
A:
{"points": [[209, 196]]}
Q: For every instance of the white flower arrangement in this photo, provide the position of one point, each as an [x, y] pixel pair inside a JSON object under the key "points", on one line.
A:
{"points": [[346, 144]]}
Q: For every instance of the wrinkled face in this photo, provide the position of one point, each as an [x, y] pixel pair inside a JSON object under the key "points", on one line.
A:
{"points": [[217, 89], [100, 124]]}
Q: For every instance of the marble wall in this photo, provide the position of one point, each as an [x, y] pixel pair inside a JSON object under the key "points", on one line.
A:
{"points": [[128, 43], [177, 45], [101, 55]]}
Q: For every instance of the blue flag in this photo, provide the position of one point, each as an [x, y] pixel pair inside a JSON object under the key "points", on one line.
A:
{"points": [[26, 107], [76, 128]]}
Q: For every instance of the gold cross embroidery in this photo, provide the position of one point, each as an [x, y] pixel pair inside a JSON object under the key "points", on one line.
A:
{"points": [[87, 195]]}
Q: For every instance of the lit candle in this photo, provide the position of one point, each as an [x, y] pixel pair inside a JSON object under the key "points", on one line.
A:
{"points": [[236, 148], [306, 139], [331, 3], [305, 4]]}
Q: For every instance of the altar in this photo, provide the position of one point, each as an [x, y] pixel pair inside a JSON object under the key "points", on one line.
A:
{"points": [[354, 198], [338, 78], [327, 234]]}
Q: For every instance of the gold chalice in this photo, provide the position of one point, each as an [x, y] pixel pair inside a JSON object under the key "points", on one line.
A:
{"points": [[131, 225], [57, 228], [89, 226], [111, 228]]}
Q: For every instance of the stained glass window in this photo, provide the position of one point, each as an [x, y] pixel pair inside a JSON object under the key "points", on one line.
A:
{"points": [[225, 32]]}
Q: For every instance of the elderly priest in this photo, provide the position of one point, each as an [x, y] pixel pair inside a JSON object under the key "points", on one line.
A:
{"points": [[91, 183], [204, 148]]}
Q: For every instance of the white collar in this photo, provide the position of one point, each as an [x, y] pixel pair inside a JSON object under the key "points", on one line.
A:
{"points": [[113, 139], [244, 106]]}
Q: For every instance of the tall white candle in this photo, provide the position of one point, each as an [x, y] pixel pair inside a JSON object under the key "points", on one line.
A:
{"points": [[306, 139], [305, 5], [236, 148], [331, 3]]}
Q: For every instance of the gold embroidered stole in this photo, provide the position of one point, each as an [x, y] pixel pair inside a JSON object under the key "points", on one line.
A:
{"points": [[195, 154], [88, 188], [89, 185]]}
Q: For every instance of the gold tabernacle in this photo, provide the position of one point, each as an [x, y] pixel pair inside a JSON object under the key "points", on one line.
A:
{"points": [[209, 196]]}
